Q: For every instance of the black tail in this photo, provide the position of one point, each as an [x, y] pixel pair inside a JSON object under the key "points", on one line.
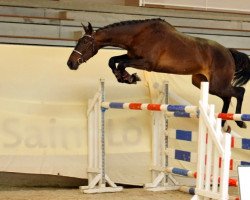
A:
{"points": [[242, 68]]}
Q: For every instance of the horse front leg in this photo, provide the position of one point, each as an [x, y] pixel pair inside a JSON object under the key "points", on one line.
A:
{"points": [[112, 64], [135, 63]]}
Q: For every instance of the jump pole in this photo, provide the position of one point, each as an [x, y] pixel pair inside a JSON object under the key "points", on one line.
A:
{"points": [[150, 107]]}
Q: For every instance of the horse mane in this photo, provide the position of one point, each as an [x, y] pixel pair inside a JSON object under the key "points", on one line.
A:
{"points": [[129, 22]]}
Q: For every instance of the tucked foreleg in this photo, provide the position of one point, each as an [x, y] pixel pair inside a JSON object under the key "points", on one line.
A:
{"points": [[113, 61], [135, 63], [124, 61]]}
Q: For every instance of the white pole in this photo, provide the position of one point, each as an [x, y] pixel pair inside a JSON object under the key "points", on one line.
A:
{"points": [[225, 166], [102, 126], [165, 134], [155, 146], [95, 138], [209, 152], [91, 145], [202, 139], [216, 161]]}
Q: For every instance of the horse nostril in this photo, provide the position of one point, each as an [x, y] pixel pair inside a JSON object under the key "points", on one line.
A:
{"points": [[70, 64]]}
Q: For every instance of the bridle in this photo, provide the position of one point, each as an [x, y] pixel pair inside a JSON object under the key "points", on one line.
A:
{"points": [[78, 52], [80, 60]]}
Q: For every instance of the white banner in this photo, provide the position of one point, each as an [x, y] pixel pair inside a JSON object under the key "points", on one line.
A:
{"points": [[229, 5]]}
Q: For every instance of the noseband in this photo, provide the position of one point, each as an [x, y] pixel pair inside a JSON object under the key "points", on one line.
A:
{"points": [[80, 60], [77, 52]]}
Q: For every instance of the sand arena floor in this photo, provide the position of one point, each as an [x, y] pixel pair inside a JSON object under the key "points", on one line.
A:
{"points": [[20, 193], [44, 193]]}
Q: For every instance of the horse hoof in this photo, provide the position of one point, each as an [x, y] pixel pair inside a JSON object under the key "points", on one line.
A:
{"points": [[227, 129], [131, 79], [241, 124], [120, 80], [136, 77]]}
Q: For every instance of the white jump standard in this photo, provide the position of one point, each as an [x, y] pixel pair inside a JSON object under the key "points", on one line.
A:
{"points": [[98, 180]]}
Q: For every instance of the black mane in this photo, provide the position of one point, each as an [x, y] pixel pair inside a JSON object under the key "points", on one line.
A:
{"points": [[130, 22]]}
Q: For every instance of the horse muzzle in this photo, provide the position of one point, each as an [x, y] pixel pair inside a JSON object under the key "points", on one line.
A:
{"points": [[72, 65]]}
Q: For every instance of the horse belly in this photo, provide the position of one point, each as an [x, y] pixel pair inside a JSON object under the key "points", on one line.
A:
{"points": [[182, 66]]}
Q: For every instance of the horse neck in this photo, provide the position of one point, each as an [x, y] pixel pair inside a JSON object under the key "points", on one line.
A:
{"points": [[114, 37]]}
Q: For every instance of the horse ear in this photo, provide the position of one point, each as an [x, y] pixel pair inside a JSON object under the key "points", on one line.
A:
{"points": [[84, 28], [90, 28]]}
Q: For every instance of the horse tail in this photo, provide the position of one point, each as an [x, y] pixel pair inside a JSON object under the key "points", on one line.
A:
{"points": [[242, 68]]}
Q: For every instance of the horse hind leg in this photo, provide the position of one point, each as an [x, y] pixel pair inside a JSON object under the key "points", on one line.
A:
{"points": [[196, 81], [226, 98], [226, 95], [225, 107], [239, 95]]}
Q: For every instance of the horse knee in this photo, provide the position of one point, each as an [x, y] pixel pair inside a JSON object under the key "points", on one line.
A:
{"points": [[121, 66], [112, 63]]}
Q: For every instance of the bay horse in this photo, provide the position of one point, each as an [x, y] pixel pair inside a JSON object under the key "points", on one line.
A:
{"points": [[155, 45]]}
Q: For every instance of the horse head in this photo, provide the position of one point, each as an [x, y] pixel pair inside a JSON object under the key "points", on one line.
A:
{"points": [[84, 49]]}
